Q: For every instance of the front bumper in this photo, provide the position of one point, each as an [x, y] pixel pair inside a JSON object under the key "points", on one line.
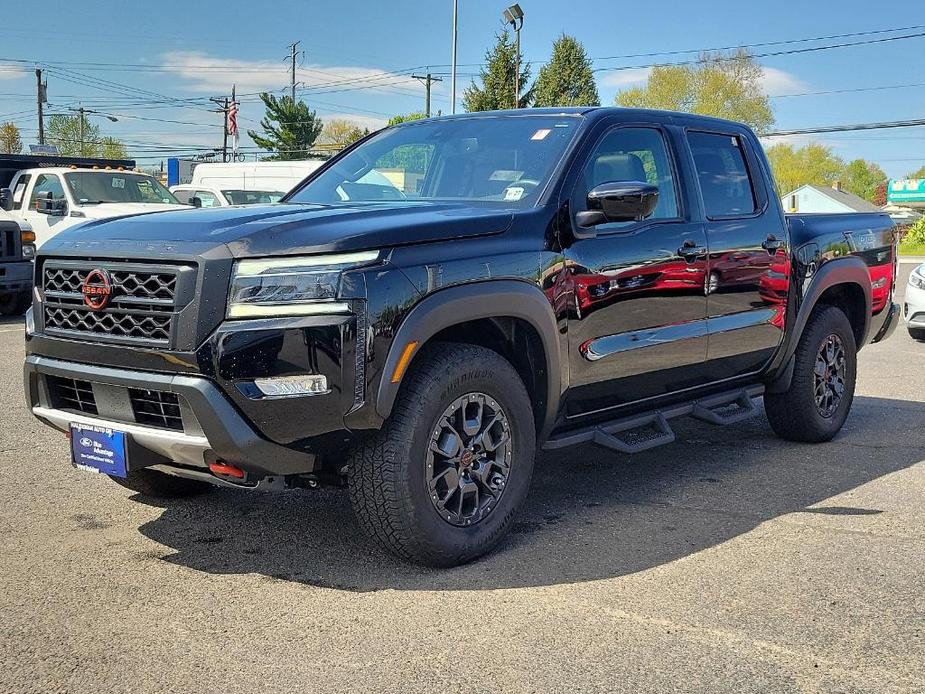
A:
{"points": [[914, 307], [212, 428], [16, 278]]}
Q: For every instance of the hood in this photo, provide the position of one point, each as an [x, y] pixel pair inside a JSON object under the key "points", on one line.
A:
{"points": [[108, 210], [293, 229]]}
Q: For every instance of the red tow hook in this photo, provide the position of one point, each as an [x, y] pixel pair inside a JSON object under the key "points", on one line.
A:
{"points": [[219, 468]]}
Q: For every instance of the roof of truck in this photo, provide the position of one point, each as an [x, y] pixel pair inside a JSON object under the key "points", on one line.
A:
{"points": [[73, 169]]}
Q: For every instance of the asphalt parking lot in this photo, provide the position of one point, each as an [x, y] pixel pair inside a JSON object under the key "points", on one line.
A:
{"points": [[728, 561]]}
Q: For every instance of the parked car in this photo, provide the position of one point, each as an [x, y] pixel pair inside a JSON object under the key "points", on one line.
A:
{"points": [[418, 343], [204, 196], [17, 249], [914, 304], [56, 198]]}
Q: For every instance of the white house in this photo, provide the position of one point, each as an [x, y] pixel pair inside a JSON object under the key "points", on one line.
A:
{"points": [[810, 199]]}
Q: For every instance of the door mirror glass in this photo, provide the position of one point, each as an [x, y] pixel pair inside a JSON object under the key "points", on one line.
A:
{"points": [[6, 199], [619, 201], [46, 203]]}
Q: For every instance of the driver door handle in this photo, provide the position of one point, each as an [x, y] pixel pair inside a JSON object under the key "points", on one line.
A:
{"points": [[772, 243], [691, 251]]}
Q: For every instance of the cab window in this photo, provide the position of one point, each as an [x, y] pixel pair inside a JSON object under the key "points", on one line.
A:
{"points": [[19, 193], [44, 184], [206, 198], [630, 154], [724, 181]]}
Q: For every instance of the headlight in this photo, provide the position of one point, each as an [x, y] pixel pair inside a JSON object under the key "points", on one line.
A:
{"points": [[296, 286], [917, 277]]}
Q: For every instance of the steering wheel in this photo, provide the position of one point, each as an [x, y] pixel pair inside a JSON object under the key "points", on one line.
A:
{"points": [[519, 189]]}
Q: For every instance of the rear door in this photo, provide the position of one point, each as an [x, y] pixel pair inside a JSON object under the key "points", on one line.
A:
{"points": [[637, 324], [748, 266]]}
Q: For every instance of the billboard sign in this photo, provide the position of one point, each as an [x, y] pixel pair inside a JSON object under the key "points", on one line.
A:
{"points": [[910, 190]]}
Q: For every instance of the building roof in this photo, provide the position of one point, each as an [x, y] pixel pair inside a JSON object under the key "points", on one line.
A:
{"points": [[843, 197]]}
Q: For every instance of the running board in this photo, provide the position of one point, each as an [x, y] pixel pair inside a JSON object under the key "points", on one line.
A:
{"points": [[642, 432]]}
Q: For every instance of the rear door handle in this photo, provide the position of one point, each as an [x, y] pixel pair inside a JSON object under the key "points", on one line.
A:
{"points": [[691, 251], [771, 244]]}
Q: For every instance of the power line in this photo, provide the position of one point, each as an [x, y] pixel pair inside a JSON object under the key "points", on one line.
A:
{"points": [[848, 128]]}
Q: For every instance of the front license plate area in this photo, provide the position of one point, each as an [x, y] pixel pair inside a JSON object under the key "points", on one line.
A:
{"points": [[98, 449]]}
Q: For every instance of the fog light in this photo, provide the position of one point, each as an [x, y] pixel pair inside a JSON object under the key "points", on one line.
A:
{"points": [[285, 386]]}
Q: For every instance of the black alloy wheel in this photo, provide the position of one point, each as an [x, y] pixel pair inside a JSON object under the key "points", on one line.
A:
{"points": [[829, 375]]}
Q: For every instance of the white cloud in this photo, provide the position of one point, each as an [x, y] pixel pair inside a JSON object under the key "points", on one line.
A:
{"points": [[203, 73], [776, 82], [11, 72], [626, 78]]}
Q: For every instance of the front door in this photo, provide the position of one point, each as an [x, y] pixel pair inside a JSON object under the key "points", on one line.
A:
{"points": [[637, 324], [748, 272]]}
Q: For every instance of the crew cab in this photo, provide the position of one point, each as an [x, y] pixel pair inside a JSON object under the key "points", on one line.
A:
{"points": [[17, 249], [56, 198], [444, 298]]}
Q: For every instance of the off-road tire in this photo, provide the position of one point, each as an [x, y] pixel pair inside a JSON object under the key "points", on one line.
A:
{"points": [[14, 304], [794, 414], [387, 480], [917, 333], [160, 485]]}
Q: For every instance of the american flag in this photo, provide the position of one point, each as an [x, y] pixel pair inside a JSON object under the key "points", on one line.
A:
{"points": [[233, 122]]}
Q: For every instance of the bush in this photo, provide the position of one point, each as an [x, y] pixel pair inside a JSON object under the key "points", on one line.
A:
{"points": [[915, 234]]}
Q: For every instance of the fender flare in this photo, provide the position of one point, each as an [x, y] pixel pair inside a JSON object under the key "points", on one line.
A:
{"points": [[490, 299], [845, 270]]}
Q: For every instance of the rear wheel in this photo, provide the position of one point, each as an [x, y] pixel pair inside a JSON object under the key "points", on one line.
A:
{"points": [[917, 333], [161, 485], [819, 399], [14, 304], [441, 483]]}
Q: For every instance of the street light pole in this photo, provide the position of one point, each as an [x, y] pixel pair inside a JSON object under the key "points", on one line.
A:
{"points": [[81, 123], [514, 16], [453, 88]]}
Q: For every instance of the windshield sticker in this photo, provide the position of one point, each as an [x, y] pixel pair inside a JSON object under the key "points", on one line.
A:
{"points": [[541, 134], [506, 175], [118, 182], [513, 194]]}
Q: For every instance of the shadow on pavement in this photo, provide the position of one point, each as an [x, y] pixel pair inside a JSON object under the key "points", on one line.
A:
{"points": [[11, 321], [591, 514]]}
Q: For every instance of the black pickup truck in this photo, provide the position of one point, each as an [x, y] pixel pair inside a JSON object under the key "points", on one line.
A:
{"points": [[442, 299], [17, 249]]}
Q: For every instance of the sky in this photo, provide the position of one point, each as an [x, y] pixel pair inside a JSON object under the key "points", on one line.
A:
{"points": [[147, 63]]}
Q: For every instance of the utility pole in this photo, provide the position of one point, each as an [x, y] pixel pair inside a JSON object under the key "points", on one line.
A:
{"points": [[292, 56], [427, 79], [222, 102], [80, 122], [455, 31], [42, 97]]}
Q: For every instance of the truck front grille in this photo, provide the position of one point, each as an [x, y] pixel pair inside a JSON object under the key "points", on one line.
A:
{"points": [[156, 408], [141, 307], [8, 244], [71, 394]]}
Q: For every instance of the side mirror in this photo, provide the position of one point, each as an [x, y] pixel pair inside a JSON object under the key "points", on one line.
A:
{"points": [[195, 201], [47, 204], [619, 201], [6, 199]]}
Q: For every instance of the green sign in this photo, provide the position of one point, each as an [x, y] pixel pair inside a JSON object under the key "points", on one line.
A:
{"points": [[909, 190]]}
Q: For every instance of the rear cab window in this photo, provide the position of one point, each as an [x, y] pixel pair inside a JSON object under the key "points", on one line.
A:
{"points": [[725, 181]]}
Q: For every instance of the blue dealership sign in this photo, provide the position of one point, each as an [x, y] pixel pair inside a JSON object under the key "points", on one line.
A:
{"points": [[98, 449]]}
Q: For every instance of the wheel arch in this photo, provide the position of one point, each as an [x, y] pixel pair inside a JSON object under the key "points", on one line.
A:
{"points": [[511, 317]]}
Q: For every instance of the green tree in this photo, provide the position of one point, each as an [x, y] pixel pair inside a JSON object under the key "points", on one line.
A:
{"points": [[417, 115], [567, 79], [862, 178], [341, 133], [497, 78], [918, 173], [74, 136], [814, 164], [290, 128], [718, 84], [10, 140]]}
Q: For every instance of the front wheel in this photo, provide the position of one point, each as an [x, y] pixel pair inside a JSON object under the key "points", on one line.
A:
{"points": [[821, 391], [441, 483]]}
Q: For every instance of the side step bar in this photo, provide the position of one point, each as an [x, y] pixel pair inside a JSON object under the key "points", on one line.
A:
{"points": [[642, 432]]}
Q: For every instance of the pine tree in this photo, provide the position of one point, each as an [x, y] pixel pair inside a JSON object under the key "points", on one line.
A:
{"points": [[567, 79], [497, 77], [290, 128]]}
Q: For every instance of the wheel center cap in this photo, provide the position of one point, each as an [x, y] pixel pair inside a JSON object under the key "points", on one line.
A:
{"points": [[467, 458]]}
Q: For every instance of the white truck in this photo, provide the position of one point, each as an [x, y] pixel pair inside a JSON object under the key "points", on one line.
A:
{"points": [[17, 249], [55, 198], [243, 183]]}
